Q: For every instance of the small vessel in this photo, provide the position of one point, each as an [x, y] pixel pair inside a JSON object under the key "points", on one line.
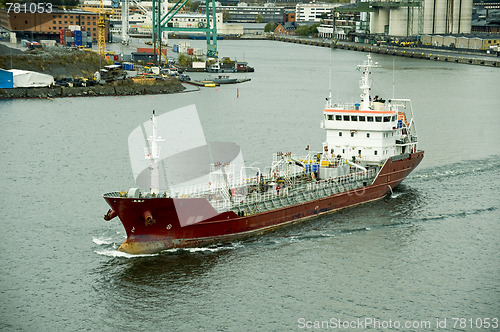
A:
{"points": [[218, 68], [224, 79], [243, 67], [370, 147], [221, 79]]}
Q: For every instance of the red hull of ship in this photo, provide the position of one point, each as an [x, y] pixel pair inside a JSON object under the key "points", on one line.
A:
{"points": [[168, 230]]}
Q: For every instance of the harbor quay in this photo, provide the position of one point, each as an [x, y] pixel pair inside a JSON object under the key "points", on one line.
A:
{"points": [[455, 56]]}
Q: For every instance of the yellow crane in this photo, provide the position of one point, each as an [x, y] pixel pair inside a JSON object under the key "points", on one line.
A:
{"points": [[101, 28]]}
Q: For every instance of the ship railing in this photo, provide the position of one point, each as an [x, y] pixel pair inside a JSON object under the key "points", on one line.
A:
{"points": [[227, 198], [214, 188], [298, 193], [345, 106], [112, 194], [367, 159]]}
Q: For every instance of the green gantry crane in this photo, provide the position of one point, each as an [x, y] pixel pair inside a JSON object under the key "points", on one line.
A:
{"points": [[164, 23]]}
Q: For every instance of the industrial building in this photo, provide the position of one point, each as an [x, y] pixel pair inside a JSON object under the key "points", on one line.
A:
{"points": [[191, 20], [48, 25], [470, 41], [313, 12], [412, 17], [246, 13]]}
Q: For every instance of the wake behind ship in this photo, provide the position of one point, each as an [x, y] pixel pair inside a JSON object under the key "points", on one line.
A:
{"points": [[370, 148]]}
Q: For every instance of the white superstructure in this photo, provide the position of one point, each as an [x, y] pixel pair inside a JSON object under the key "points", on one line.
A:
{"points": [[371, 130]]}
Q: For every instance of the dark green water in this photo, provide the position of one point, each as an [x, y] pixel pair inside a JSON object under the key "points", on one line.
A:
{"points": [[427, 253]]}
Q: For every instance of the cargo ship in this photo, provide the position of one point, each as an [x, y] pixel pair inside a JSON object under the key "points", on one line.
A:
{"points": [[370, 148]]}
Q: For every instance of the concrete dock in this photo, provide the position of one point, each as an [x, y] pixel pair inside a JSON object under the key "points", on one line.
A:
{"points": [[418, 53]]}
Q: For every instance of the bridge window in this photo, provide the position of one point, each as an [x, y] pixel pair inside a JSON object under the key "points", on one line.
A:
{"points": [[378, 119], [330, 117], [338, 117], [387, 119], [346, 117], [361, 118], [354, 118], [370, 119], [393, 118]]}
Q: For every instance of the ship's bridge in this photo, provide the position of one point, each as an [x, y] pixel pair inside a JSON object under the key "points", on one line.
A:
{"points": [[352, 118], [367, 134]]}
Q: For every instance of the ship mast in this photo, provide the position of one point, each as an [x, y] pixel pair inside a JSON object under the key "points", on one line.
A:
{"points": [[154, 157], [365, 83]]}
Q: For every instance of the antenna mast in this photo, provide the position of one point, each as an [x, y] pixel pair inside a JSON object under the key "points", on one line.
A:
{"points": [[364, 83], [154, 157]]}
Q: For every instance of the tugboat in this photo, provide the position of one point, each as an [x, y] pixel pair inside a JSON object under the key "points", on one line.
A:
{"points": [[370, 147]]}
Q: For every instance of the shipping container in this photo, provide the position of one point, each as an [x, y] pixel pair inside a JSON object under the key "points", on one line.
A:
{"points": [[150, 50], [128, 66], [6, 79]]}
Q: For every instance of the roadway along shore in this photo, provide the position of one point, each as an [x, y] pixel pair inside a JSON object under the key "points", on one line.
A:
{"points": [[417, 53]]}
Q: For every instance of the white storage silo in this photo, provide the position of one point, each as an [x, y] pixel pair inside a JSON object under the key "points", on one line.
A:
{"points": [[440, 14], [429, 16], [378, 20], [465, 17], [398, 22]]}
